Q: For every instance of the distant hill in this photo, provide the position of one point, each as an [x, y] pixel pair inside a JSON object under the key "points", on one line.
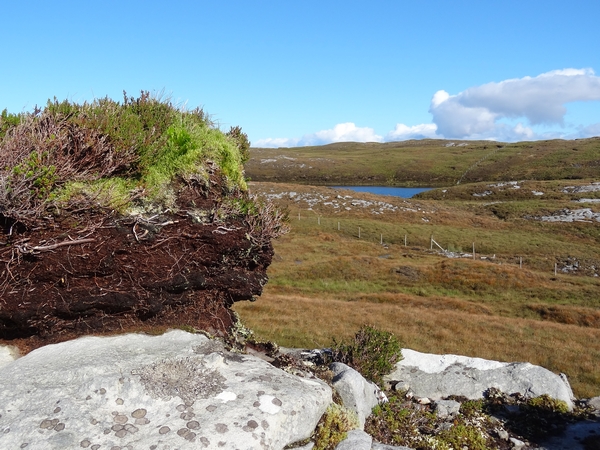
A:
{"points": [[427, 162]]}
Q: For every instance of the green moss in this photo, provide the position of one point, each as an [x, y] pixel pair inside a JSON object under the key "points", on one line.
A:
{"points": [[472, 408], [549, 404], [398, 423], [188, 149], [334, 426], [461, 436], [113, 193], [402, 422]]}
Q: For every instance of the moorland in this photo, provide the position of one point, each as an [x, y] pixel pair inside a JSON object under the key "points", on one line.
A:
{"points": [[531, 291]]}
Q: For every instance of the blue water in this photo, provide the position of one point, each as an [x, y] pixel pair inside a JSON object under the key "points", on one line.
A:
{"points": [[386, 190]]}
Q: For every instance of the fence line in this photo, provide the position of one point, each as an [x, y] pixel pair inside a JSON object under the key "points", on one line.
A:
{"points": [[366, 235]]}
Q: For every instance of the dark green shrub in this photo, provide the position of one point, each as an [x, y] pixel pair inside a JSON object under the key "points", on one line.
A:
{"points": [[372, 352], [8, 121], [241, 142]]}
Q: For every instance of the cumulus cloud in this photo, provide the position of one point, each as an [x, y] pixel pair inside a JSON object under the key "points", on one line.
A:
{"points": [[404, 132], [541, 100], [342, 132], [590, 130], [276, 142], [585, 132], [503, 111], [345, 132]]}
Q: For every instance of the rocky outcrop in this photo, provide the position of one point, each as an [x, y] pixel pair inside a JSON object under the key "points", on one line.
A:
{"points": [[356, 440], [134, 391], [183, 390], [439, 376]]}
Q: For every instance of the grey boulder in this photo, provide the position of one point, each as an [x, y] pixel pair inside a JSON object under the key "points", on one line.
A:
{"points": [[595, 403], [446, 408], [357, 393], [356, 440], [177, 391], [439, 376]]}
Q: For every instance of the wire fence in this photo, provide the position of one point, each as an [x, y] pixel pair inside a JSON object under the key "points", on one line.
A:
{"points": [[391, 235]]}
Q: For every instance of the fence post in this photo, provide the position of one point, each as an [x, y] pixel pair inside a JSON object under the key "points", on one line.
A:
{"points": [[473, 250], [405, 240], [359, 232], [520, 262], [298, 215], [381, 239], [431, 242], [338, 226]]}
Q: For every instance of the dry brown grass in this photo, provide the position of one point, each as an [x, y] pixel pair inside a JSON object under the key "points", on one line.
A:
{"points": [[326, 283], [314, 322], [572, 315]]}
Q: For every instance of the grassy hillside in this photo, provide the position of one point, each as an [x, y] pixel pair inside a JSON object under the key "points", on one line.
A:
{"points": [[507, 303], [427, 162]]}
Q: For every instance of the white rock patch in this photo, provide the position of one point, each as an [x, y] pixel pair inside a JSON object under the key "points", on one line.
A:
{"points": [[440, 376], [178, 391]]}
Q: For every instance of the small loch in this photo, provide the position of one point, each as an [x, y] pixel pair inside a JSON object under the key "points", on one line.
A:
{"points": [[403, 192]]}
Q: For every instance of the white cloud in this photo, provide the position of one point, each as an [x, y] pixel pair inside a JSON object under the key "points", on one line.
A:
{"points": [[524, 132], [403, 132], [590, 130], [503, 111], [275, 142], [345, 132], [568, 72], [506, 133], [438, 98], [585, 132], [342, 132], [540, 99]]}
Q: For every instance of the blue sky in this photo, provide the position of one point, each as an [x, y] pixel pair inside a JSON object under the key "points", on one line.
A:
{"points": [[312, 72]]}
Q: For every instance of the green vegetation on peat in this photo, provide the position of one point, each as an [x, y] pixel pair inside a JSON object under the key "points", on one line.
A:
{"points": [[107, 153]]}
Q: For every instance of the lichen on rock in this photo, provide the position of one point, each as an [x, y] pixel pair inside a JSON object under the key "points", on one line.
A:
{"points": [[187, 378]]}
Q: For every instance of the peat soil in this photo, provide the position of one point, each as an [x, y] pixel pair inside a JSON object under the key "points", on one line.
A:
{"points": [[95, 272]]}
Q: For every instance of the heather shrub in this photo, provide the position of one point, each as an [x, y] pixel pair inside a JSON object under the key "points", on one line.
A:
{"points": [[372, 352], [106, 153]]}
